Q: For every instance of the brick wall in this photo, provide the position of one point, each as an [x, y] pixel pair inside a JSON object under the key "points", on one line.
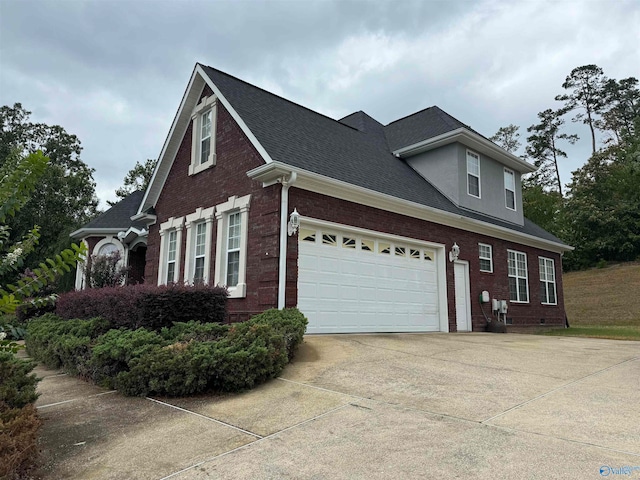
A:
{"points": [[340, 211], [183, 194]]}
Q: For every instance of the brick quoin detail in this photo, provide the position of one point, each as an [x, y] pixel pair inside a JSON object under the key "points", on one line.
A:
{"points": [[331, 209], [183, 194]]}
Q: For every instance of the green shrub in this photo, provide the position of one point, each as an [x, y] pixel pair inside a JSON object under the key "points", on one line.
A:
{"points": [[19, 420], [249, 354], [13, 327], [183, 359], [60, 343], [113, 352]]}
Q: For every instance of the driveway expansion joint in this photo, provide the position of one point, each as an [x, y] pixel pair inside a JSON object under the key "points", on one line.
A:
{"points": [[75, 399], [546, 394], [211, 419]]}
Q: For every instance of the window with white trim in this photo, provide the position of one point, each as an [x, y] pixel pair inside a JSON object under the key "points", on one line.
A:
{"points": [[233, 249], [518, 277], [171, 256], [473, 174], [203, 154], [547, 281], [197, 260], [170, 242], [231, 245], [509, 189], [199, 252], [485, 254]]}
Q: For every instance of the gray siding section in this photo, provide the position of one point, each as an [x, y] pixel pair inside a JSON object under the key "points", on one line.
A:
{"points": [[446, 167], [440, 167], [492, 193]]}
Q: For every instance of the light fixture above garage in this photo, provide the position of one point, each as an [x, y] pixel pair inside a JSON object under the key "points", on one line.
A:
{"points": [[294, 222], [454, 253]]}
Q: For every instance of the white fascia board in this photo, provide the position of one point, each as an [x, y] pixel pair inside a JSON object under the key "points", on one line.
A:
{"points": [[473, 141], [178, 128], [148, 218], [169, 149], [336, 188], [88, 232], [243, 126]]}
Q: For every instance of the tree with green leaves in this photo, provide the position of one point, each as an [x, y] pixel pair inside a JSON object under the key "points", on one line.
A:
{"points": [[137, 178], [543, 146], [603, 207], [620, 107], [508, 138], [19, 177], [66, 190], [585, 85]]}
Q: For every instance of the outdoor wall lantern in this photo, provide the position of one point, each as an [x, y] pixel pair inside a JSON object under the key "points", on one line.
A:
{"points": [[455, 251], [294, 222]]}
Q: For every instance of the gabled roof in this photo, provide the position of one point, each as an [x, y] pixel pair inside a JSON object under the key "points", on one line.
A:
{"points": [[356, 150], [117, 218], [422, 125]]}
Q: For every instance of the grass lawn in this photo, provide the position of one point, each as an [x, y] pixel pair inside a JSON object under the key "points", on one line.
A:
{"points": [[613, 332], [603, 302]]}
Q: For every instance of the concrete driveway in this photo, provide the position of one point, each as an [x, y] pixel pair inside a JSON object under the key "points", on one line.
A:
{"points": [[481, 406]]}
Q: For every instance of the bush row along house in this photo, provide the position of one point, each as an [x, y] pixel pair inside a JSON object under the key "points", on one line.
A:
{"points": [[364, 227]]}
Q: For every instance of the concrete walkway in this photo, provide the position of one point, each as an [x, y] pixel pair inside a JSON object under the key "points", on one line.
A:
{"points": [[481, 406]]}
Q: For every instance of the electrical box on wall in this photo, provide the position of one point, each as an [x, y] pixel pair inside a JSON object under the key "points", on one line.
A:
{"points": [[495, 305], [484, 297], [504, 306]]}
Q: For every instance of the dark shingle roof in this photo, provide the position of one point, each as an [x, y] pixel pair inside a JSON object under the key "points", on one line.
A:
{"points": [[119, 216], [351, 150]]}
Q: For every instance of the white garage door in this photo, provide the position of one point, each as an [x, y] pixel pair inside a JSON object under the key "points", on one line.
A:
{"points": [[350, 283]]}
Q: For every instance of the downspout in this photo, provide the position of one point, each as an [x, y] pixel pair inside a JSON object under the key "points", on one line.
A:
{"points": [[284, 210]]}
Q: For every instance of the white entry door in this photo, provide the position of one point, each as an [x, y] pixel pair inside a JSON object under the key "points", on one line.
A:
{"points": [[354, 283], [463, 300]]}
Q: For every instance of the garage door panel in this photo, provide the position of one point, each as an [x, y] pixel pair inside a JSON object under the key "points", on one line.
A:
{"points": [[349, 290]]}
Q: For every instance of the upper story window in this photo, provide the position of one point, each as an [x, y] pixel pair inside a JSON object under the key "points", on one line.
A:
{"points": [[486, 257], [473, 174], [547, 281], [518, 276], [510, 189], [203, 151]]}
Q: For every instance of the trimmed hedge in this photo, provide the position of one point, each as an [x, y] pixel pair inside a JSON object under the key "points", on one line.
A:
{"points": [[19, 420], [146, 306], [184, 359]]}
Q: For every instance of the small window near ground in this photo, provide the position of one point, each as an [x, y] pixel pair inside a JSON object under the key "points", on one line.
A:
{"points": [[486, 257], [547, 281]]}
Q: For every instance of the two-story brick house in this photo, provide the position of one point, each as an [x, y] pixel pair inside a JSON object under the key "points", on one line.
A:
{"points": [[401, 226]]}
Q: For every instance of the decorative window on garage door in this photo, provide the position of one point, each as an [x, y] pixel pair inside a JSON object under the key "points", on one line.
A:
{"points": [[353, 242]]}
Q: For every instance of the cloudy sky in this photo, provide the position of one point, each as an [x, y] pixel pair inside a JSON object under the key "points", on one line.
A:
{"points": [[113, 71]]}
